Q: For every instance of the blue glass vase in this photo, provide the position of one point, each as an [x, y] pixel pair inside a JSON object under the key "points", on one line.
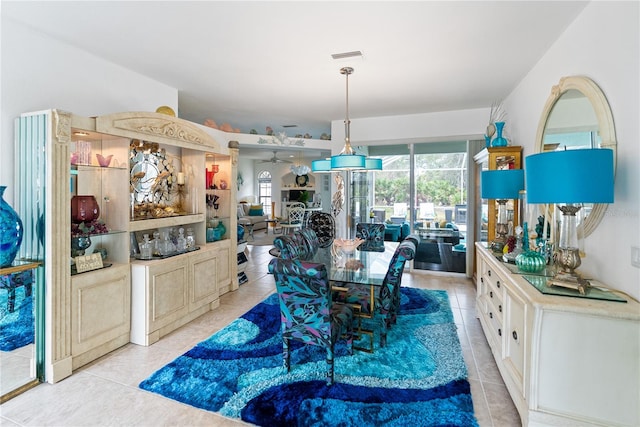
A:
{"points": [[499, 141], [10, 232]]}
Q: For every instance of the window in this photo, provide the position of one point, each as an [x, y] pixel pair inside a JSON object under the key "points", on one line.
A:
{"points": [[264, 191]]}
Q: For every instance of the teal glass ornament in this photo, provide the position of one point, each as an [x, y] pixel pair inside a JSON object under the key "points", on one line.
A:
{"points": [[531, 262], [499, 141]]}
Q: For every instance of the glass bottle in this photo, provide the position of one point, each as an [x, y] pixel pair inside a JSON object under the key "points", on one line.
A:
{"points": [[145, 248], [191, 241], [181, 246], [156, 243]]}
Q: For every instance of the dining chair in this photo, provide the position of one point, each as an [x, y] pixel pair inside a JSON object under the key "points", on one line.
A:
{"points": [[373, 236], [325, 227], [386, 303], [307, 313], [286, 247], [311, 240], [294, 219]]}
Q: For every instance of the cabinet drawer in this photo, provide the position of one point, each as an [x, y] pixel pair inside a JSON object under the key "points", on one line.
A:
{"points": [[515, 343]]}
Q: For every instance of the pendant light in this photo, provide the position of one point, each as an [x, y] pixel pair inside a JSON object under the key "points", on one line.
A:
{"points": [[348, 159]]}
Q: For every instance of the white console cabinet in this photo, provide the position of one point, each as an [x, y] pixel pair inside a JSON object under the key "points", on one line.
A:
{"points": [[169, 293], [566, 361]]}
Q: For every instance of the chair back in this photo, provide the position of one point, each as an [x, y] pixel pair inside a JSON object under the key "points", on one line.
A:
{"points": [[311, 240], [373, 236], [288, 248], [295, 215], [389, 297], [305, 300], [324, 226], [414, 238]]}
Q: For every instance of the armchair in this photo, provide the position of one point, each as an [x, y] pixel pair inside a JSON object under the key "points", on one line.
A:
{"points": [[306, 310]]}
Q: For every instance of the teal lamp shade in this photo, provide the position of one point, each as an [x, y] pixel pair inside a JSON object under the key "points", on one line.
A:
{"points": [[347, 162], [372, 164], [321, 166], [570, 176], [502, 184]]}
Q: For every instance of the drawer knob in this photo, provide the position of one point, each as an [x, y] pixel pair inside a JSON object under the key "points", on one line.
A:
{"points": [[491, 294], [499, 332], [489, 273], [482, 280], [490, 315], [500, 308], [498, 284], [514, 334]]}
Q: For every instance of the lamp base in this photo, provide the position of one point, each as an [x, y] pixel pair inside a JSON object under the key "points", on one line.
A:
{"points": [[569, 281]]}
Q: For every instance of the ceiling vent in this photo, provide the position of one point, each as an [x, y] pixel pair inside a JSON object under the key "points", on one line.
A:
{"points": [[343, 55]]}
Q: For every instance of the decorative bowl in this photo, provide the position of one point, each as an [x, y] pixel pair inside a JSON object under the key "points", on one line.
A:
{"points": [[348, 246], [104, 161]]}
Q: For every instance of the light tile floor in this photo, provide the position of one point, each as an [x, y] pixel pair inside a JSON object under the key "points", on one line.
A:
{"points": [[106, 391]]}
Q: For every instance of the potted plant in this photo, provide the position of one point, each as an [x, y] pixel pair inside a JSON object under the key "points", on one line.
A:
{"points": [[304, 197]]}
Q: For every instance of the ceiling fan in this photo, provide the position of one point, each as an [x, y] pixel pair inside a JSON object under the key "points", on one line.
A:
{"points": [[275, 159]]}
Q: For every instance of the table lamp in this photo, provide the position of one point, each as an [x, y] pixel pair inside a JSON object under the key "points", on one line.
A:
{"points": [[501, 185], [570, 178]]}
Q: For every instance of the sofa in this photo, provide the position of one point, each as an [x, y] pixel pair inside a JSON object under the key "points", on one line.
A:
{"points": [[253, 214]]}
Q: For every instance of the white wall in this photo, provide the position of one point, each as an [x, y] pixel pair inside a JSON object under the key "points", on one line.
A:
{"points": [[603, 43], [39, 73]]}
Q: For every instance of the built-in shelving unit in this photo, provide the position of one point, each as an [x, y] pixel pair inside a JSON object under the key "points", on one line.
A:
{"points": [[154, 181]]}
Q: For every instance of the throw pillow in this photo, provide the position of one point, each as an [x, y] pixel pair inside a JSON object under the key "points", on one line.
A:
{"points": [[256, 210]]}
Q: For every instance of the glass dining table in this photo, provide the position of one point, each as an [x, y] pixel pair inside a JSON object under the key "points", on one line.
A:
{"points": [[365, 268]]}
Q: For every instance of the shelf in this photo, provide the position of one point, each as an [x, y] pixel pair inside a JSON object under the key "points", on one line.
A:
{"points": [[76, 168], [18, 266], [172, 221]]}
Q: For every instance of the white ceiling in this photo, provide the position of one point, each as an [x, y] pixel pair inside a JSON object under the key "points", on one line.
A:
{"points": [[268, 63]]}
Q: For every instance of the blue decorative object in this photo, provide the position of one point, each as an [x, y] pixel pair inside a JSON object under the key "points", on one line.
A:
{"points": [[570, 176], [421, 379], [221, 229], [501, 184], [499, 141], [487, 140], [10, 231]]}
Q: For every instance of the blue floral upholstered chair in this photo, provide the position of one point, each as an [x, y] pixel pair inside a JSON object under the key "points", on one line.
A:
{"points": [[387, 301], [301, 245], [373, 236], [306, 309]]}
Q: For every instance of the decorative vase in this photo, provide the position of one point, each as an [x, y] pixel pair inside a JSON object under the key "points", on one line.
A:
{"points": [[487, 140], [531, 262], [79, 244], [10, 232], [499, 141], [222, 229], [84, 209]]}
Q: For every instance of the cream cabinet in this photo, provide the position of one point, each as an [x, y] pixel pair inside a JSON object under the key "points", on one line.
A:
{"points": [[91, 313], [101, 315], [169, 293], [565, 360]]}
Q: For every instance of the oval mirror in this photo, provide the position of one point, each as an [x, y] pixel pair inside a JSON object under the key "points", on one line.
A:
{"points": [[577, 115]]}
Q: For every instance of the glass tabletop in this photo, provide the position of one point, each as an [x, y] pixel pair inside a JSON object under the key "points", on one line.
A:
{"points": [[361, 267]]}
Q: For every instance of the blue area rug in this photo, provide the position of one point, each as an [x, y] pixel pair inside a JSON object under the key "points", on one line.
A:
{"points": [[16, 329], [418, 379]]}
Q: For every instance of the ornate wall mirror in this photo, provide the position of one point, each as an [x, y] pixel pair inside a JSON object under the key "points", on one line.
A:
{"points": [[152, 179], [577, 115]]}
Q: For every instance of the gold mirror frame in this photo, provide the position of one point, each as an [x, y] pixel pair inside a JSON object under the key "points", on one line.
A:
{"points": [[606, 130]]}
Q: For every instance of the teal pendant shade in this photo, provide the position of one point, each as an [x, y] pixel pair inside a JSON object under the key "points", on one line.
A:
{"points": [[347, 162], [570, 176], [321, 166], [373, 164], [502, 184]]}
